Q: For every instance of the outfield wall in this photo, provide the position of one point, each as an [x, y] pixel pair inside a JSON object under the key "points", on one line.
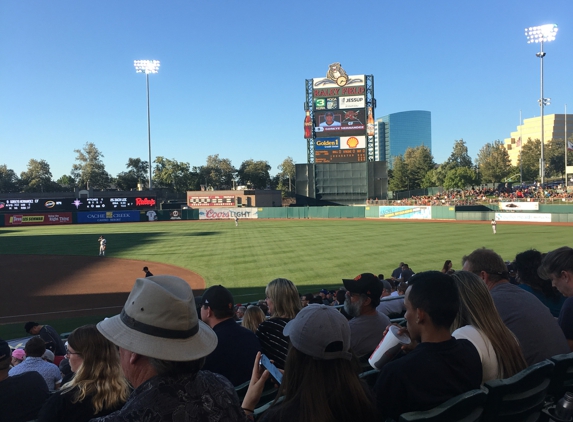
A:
{"points": [[545, 213]]}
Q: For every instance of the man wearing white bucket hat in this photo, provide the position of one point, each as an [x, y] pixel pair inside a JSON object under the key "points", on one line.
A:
{"points": [[162, 348]]}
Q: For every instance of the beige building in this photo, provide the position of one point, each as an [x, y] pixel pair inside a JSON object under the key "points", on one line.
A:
{"points": [[554, 128]]}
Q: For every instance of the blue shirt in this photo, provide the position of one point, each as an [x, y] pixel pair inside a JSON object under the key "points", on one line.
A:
{"points": [[49, 371]]}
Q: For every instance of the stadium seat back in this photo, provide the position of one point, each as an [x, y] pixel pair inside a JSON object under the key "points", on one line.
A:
{"points": [[521, 397], [467, 407]]}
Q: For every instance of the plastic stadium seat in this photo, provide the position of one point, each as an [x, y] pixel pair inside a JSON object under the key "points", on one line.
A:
{"points": [[519, 398], [370, 377], [242, 389], [562, 379], [467, 407]]}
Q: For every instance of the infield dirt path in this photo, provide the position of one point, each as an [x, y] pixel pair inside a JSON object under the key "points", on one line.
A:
{"points": [[34, 287]]}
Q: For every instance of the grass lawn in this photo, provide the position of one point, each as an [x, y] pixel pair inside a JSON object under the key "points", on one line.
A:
{"points": [[311, 253]]}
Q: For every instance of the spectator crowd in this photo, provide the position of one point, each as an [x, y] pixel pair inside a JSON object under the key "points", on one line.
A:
{"points": [[171, 356]]}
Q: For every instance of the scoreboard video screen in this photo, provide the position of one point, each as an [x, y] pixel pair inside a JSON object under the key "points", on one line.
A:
{"points": [[74, 204], [342, 119]]}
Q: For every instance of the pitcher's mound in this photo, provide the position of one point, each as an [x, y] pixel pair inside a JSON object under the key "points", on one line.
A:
{"points": [[36, 287]]}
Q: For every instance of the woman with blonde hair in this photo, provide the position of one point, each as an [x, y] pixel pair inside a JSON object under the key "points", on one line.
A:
{"points": [[98, 387], [253, 318], [479, 322], [284, 303]]}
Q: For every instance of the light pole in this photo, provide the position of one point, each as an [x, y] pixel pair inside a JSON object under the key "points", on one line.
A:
{"points": [[147, 67], [541, 34]]}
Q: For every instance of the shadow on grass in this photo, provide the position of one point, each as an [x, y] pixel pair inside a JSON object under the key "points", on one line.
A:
{"points": [[110, 304]]}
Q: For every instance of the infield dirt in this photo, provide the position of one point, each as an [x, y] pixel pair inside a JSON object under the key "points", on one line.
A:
{"points": [[36, 287]]}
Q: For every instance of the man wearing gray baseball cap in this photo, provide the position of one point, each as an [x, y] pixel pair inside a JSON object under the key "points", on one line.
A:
{"points": [[162, 348]]}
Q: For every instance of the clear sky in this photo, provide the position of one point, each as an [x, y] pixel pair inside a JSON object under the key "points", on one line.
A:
{"points": [[232, 76]]}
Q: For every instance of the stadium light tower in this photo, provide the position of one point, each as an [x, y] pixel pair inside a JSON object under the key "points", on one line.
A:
{"points": [[147, 67], [541, 34]]}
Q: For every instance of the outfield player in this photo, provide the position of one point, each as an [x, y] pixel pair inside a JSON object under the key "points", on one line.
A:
{"points": [[102, 245], [494, 226]]}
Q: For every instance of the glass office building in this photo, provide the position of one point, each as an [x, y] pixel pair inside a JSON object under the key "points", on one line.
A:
{"points": [[397, 132]]}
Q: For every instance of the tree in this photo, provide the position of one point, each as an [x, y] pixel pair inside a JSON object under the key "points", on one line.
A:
{"points": [[494, 163], [137, 173], [254, 174], [459, 156], [66, 182], [175, 175], [286, 177], [399, 179], [419, 162], [9, 182], [529, 159], [38, 177], [218, 173], [89, 171], [460, 178], [555, 158]]}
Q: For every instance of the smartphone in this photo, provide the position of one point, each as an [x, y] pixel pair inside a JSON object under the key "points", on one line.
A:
{"points": [[273, 370]]}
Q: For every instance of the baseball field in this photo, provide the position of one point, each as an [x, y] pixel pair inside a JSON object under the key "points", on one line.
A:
{"points": [[52, 274]]}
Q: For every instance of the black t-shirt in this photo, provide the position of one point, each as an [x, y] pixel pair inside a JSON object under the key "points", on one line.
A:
{"points": [[22, 396], [60, 408], [427, 376], [235, 353]]}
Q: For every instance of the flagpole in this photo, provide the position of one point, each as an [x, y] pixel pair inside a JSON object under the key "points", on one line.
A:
{"points": [[520, 146], [566, 144]]}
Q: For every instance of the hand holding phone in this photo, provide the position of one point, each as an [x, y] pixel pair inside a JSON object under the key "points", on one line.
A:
{"points": [[273, 370]]}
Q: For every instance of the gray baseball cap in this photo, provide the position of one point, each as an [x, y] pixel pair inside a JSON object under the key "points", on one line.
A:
{"points": [[320, 331]]}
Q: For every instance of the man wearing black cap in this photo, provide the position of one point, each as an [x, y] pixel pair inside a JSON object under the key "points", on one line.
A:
{"points": [[367, 325], [237, 347], [21, 396]]}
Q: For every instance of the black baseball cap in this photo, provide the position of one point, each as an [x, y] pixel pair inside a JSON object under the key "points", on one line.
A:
{"points": [[218, 297], [365, 284]]}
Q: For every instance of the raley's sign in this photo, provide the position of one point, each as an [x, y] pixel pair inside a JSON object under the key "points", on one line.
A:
{"points": [[145, 202]]}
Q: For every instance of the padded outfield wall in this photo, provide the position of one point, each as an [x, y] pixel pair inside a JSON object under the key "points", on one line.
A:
{"points": [[544, 214]]}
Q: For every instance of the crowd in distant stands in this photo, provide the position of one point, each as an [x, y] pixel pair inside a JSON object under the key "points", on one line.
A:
{"points": [[485, 195], [170, 356]]}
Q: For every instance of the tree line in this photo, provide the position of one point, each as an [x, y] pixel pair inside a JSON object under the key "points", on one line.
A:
{"points": [[89, 172], [413, 170], [416, 168]]}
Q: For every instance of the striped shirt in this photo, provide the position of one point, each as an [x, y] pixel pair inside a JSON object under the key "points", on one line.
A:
{"points": [[273, 343]]}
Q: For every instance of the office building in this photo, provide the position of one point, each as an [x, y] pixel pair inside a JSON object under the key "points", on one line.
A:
{"points": [[397, 132], [553, 126]]}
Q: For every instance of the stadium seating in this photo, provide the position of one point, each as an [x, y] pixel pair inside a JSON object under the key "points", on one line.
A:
{"points": [[562, 379], [518, 398], [370, 377], [467, 407]]}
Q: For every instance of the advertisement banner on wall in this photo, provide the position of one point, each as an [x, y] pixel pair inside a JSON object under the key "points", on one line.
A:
{"points": [[352, 142], [528, 217], [423, 213], [518, 206], [211, 201], [37, 219], [108, 216], [327, 143], [227, 213]]}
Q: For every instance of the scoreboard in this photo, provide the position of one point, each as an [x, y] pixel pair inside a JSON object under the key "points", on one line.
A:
{"points": [[74, 204], [340, 156]]}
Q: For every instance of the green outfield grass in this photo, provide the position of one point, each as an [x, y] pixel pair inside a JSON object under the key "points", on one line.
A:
{"points": [[311, 253]]}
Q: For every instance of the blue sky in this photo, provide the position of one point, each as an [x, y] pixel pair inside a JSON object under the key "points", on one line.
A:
{"points": [[232, 73]]}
